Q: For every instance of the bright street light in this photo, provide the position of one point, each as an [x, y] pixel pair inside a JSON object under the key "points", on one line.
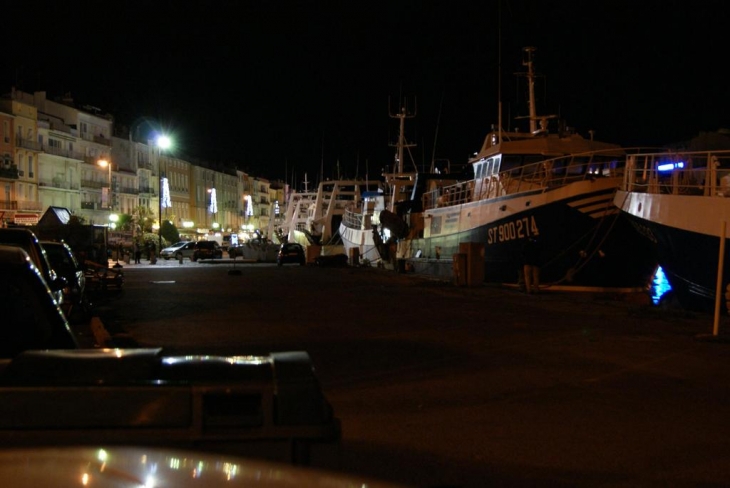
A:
{"points": [[164, 142]]}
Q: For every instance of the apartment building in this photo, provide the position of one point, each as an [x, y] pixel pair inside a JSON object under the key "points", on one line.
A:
{"points": [[53, 153]]}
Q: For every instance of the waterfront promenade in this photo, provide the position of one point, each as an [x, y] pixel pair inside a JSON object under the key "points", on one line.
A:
{"points": [[438, 385]]}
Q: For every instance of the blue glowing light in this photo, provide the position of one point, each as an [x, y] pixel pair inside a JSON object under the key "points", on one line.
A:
{"points": [[659, 286], [670, 166]]}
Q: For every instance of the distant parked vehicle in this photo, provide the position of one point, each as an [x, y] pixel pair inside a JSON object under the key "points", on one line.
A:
{"points": [[291, 253], [182, 249], [207, 250]]}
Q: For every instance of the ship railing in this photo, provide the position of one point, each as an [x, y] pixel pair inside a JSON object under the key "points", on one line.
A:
{"points": [[691, 173], [352, 219], [543, 175]]}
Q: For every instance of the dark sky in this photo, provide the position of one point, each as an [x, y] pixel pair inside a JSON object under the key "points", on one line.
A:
{"points": [[283, 87]]}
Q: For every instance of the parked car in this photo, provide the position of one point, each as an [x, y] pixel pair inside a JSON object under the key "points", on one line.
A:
{"points": [[27, 241], [291, 253], [207, 250], [180, 249], [64, 263], [235, 251], [32, 318]]}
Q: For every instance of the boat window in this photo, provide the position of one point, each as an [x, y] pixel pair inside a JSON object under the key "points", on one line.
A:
{"points": [[479, 169], [558, 166], [578, 165], [488, 167], [511, 162]]}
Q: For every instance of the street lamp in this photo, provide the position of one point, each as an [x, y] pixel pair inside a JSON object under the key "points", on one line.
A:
{"points": [[106, 164]]}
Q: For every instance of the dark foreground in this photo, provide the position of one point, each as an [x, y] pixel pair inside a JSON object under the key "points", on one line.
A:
{"points": [[443, 386]]}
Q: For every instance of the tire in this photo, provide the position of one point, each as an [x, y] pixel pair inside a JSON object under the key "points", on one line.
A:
{"points": [[178, 256]]}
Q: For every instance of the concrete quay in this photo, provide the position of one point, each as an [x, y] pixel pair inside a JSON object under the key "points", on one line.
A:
{"points": [[438, 385]]}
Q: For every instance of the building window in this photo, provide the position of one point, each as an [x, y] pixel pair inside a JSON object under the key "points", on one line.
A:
{"points": [[6, 131]]}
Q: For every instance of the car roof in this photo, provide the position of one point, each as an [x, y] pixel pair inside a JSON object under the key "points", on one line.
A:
{"points": [[27, 239], [13, 255]]}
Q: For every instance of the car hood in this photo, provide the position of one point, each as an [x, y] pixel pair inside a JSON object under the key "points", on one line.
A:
{"points": [[123, 467]]}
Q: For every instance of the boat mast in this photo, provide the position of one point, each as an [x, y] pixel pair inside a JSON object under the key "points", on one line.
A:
{"points": [[402, 144], [531, 84]]}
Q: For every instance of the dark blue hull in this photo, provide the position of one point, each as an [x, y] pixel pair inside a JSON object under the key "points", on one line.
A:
{"points": [[690, 261], [577, 248]]}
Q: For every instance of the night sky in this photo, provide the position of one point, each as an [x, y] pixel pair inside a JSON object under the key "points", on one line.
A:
{"points": [[279, 88]]}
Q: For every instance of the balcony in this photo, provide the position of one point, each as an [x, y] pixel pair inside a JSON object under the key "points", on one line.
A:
{"points": [[28, 144], [90, 205], [58, 183], [102, 140], [29, 205], [10, 172], [93, 184], [59, 151]]}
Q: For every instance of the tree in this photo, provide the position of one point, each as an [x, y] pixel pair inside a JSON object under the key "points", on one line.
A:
{"points": [[145, 218], [169, 231]]}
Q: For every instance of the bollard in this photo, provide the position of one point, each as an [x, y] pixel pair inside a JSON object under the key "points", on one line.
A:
{"points": [[181, 258]]}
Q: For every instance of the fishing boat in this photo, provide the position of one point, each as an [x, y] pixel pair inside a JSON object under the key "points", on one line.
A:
{"points": [[554, 186], [680, 202], [312, 218], [364, 236]]}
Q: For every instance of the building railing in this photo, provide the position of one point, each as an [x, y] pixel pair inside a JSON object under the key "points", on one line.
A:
{"points": [[59, 151], [64, 185], [102, 140], [94, 184], [20, 205], [11, 172], [27, 144]]}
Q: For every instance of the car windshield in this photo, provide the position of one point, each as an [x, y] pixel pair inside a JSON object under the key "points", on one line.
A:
{"points": [[58, 255]]}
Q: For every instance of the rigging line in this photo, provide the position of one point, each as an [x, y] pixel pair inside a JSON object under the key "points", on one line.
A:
{"points": [[608, 231]]}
